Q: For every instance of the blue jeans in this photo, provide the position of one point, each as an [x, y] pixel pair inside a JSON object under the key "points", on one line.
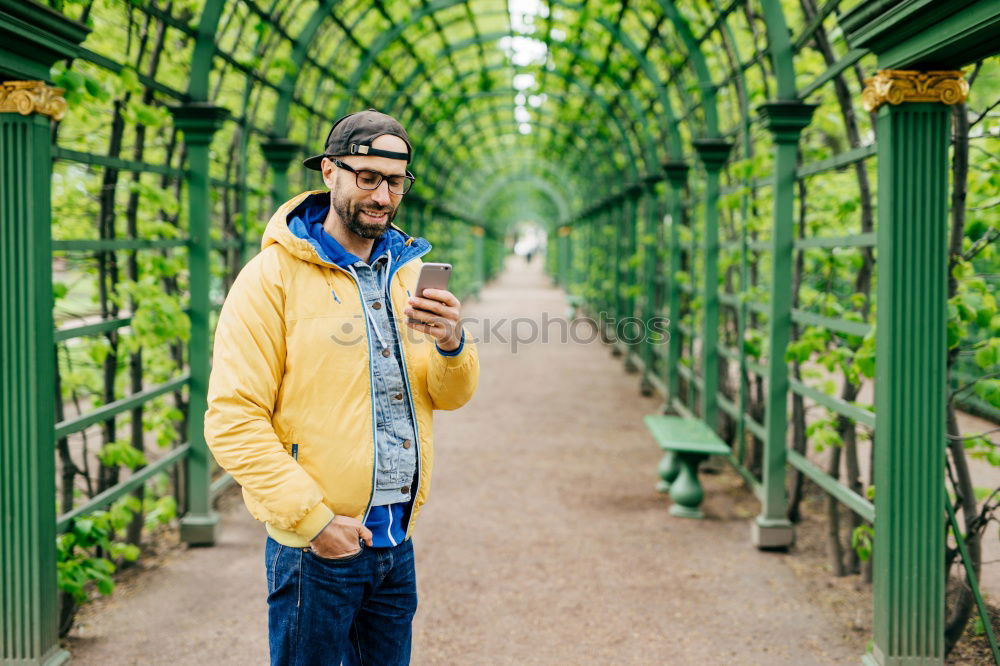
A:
{"points": [[355, 611]]}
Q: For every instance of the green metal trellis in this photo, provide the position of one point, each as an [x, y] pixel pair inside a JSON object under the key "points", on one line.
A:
{"points": [[635, 123]]}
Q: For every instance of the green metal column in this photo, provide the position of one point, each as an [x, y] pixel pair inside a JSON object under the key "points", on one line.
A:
{"points": [[480, 268], [615, 211], [785, 120], [677, 173], [575, 253], [631, 207], [586, 223], [911, 320], [911, 339], [199, 122], [29, 612], [742, 311], [649, 277], [593, 295], [562, 267], [34, 37], [610, 234], [713, 154], [601, 225], [556, 266], [569, 258], [279, 154]]}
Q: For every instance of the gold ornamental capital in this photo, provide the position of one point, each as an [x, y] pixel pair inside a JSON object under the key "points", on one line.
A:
{"points": [[28, 97], [896, 86]]}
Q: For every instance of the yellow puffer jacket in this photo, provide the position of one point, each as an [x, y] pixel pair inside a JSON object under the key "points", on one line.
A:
{"points": [[291, 366]]}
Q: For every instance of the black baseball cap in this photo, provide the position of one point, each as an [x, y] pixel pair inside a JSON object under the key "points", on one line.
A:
{"points": [[353, 135]]}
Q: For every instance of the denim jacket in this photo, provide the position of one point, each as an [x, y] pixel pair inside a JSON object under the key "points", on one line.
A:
{"points": [[397, 455]]}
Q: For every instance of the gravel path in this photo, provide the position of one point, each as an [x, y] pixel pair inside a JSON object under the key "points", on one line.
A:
{"points": [[544, 541]]}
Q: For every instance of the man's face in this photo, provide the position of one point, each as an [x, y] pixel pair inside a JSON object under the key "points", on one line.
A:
{"points": [[366, 213]]}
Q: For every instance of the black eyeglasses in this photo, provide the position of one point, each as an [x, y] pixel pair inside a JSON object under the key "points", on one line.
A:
{"points": [[366, 179]]}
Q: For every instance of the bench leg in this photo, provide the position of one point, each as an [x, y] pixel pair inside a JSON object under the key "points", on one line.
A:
{"points": [[686, 490], [668, 470]]}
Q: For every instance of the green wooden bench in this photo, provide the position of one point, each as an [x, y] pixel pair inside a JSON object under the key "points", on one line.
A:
{"points": [[686, 443]]}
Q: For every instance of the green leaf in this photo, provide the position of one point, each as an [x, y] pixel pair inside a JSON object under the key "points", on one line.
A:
{"points": [[83, 526], [95, 89], [101, 565], [861, 541], [121, 453], [164, 511], [989, 355], [989, 390], [71, 81], [129, 79], [126, 551], [146, 115], [105, 586]]}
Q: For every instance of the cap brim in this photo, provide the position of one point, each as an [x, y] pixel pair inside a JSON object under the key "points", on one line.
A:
{"points": [[315, 162]]}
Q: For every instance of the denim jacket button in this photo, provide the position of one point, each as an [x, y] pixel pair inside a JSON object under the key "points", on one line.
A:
{"points": [[386, 352], [407, 444], [398, 396], [377, 305], [405, 490]]}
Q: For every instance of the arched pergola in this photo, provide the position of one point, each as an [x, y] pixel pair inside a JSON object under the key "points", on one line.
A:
{"points": [[681, 156]]}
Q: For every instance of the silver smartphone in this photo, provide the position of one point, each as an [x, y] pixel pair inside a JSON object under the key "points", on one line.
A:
{"points": [[432, 276]]}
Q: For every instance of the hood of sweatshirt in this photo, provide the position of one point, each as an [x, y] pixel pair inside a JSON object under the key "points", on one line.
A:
{"points": [[297, 226]]}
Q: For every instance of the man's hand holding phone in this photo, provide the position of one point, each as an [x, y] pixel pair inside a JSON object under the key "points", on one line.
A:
{"points": [[437, 313]]}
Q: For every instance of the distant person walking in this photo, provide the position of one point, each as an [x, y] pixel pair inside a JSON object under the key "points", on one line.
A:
{"points": [[320, 403]]}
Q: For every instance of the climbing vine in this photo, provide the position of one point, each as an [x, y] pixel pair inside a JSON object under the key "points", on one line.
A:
{"points": [[582, 101]]}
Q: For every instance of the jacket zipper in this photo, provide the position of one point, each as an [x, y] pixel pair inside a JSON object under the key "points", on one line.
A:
{"points": [[413, 411], [371, 386], [409, 395]]}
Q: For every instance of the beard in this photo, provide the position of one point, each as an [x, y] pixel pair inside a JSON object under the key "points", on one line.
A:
{"points": [[350, 213]]}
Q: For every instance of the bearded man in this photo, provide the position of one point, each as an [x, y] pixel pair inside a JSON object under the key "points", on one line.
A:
{"points": [[321, 401]]}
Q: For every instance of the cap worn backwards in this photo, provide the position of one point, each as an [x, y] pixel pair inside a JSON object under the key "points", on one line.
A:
{"points": [[354, 133]]}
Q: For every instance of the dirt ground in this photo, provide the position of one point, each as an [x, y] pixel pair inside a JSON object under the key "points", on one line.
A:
{"points": [[544, 540]]}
